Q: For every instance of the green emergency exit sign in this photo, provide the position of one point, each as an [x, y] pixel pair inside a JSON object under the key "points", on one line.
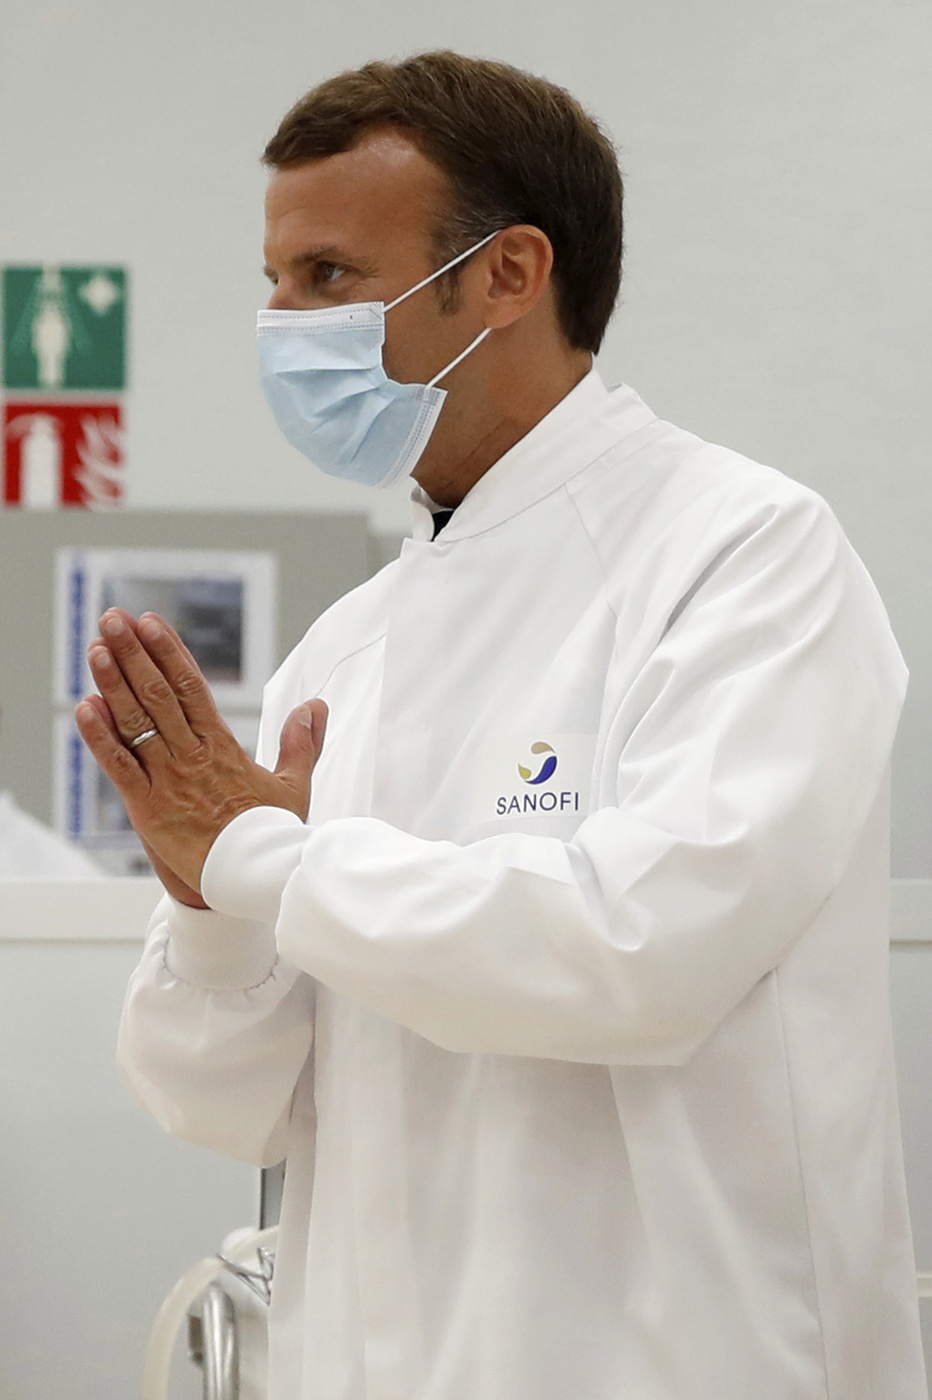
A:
{"points": [[64, 327]]}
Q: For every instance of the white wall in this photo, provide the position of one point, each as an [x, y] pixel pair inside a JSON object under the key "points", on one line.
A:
{"points": [[780, 220]]}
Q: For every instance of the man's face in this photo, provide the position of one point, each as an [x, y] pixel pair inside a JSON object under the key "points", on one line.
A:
{"points": [[357, 227]]}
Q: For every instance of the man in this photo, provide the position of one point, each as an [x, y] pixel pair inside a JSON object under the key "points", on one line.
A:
{"points": [[567, 1002]]}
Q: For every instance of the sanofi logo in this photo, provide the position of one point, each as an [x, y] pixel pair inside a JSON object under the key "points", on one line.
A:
{"points": [[547, 768], [548, 799]]}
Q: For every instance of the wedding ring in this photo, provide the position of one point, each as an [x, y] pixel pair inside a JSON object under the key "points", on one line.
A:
{"points": [[141, 738]]}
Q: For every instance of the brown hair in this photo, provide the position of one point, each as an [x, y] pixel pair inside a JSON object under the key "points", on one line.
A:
{"points": [[515, 148]]}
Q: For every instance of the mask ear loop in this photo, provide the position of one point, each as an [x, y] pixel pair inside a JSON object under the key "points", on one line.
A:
{"points": [[453, 363], [433, 276], [441, 270]]}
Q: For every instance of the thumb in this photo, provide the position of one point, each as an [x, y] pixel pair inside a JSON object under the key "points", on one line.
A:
{"points": [[301, 742]]}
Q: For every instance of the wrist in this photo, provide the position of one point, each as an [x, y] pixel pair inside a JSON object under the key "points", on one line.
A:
{"points": [[190, 898]]}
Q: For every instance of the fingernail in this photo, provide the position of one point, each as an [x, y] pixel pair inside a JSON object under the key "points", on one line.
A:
{"points": [[113, 626], [149, 629]]}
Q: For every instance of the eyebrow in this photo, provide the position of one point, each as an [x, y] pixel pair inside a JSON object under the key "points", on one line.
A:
{"points": [[326, 252]]}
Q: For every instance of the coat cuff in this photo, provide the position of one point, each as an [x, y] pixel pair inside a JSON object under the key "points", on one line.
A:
{"points": [[251, 861], [216, 952]]}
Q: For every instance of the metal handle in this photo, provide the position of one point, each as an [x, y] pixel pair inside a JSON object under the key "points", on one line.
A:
{"points": [[220, 1345]]}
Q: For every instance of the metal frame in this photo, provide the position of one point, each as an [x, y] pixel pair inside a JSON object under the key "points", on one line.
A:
{"points": [[213, 1344]]}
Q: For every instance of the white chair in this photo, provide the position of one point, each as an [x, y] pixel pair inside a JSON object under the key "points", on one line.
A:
{"points": [[232, 1291]]}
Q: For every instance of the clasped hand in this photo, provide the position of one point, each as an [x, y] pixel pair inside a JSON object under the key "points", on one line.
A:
{"points": [[186, 782]]}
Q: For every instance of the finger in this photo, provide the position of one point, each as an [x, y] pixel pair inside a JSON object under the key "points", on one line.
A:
{"points": [[174, 636], [103, 710], [139, 695], [178, 666], [302, 737], [320, 712], [129, 718], [301, 743], [102, 738]]}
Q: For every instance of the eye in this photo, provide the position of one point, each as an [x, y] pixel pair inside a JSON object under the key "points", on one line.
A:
{"points": [[329, 272]]}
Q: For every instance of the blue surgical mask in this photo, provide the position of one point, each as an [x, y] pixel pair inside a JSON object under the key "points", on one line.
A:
{"points": [[323, 376]]}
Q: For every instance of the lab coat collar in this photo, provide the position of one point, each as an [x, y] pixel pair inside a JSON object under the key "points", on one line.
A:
{"points": [[582, 426]]}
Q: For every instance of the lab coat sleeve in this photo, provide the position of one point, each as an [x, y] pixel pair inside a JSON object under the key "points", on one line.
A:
{"points": [[750, 748], [215, 1031]]}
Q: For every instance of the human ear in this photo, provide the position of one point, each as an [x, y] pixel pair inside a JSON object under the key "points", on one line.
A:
{"points": [[520, 264]]}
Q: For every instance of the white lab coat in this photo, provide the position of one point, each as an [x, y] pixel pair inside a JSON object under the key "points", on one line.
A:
{"points": [[30, 850], [601, 1100]]}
